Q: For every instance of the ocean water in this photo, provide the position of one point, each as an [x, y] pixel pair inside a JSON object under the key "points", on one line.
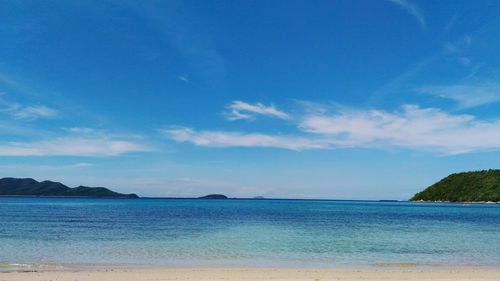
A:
{"points": [[194, 232]]}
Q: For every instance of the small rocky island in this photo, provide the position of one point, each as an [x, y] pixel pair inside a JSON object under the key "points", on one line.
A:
{"points": [[213, 196], [31, 187], [478, 186]]}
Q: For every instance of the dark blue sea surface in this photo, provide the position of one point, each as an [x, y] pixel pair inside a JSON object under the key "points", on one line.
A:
{"points": [[246, 232]]}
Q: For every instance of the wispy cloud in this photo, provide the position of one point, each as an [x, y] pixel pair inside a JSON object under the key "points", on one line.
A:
{"points": [[46, 168], [459, 49], [75, 142], [10, 82], [34, 112], [451, 23], [71, 146], [238, 139], [28, 113], [80, 165], [411, 127], [412, 9], [183, 78], [459, 46], [466, 95], [81, 130], [239, 110], [192, 41]]}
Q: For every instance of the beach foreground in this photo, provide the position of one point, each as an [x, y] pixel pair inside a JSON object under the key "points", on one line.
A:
{"points": [[199, 274]]}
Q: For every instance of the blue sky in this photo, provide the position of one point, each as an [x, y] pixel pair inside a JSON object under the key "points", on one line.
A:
{"points": [[301, 99]]}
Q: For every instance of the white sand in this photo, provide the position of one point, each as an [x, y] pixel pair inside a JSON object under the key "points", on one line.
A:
{"points": [[246, 274]]}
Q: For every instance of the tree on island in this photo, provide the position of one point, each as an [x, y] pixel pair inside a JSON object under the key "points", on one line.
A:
{"points": [[476, 186]]}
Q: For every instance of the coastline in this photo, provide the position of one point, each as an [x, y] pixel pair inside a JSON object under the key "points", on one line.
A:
{"points": [[397, 272], [455, 202], [256, 199]]}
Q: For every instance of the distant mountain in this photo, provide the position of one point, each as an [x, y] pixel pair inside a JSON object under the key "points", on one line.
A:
{"points": [[31, 187], [480, 186], [214, 196]]}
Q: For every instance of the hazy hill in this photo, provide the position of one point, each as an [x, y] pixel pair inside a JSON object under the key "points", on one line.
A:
{"points": [[27, 186], [479, 186]]}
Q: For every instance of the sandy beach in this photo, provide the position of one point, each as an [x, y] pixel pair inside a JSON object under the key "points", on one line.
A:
{"points": [[275, 274]]}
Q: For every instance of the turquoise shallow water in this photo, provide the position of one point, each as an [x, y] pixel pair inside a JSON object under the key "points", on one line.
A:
{"points": [[190, 232]]}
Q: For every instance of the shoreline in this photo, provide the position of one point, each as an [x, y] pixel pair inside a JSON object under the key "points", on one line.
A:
{"points": [[455, 202], [77, 267], [7, 267], [252, 273]]}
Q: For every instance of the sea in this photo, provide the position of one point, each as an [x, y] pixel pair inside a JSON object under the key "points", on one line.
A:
{"points": [[247, 233]]}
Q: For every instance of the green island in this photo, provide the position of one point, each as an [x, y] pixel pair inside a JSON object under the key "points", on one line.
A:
{"points": [[476, 186], [31, 187]]}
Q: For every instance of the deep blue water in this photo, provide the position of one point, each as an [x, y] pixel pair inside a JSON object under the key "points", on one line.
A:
{"points": [[246, 232]]}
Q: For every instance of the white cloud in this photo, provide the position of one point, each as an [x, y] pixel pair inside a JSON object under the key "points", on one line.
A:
{"points": [[412, 9], [239, 110], [72, 146], [238, 139], [411, 127], [466, 95]]}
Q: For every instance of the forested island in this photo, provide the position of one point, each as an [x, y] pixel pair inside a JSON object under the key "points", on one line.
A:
{"points": [[477, 186], [31, 187], [214, 196]]}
